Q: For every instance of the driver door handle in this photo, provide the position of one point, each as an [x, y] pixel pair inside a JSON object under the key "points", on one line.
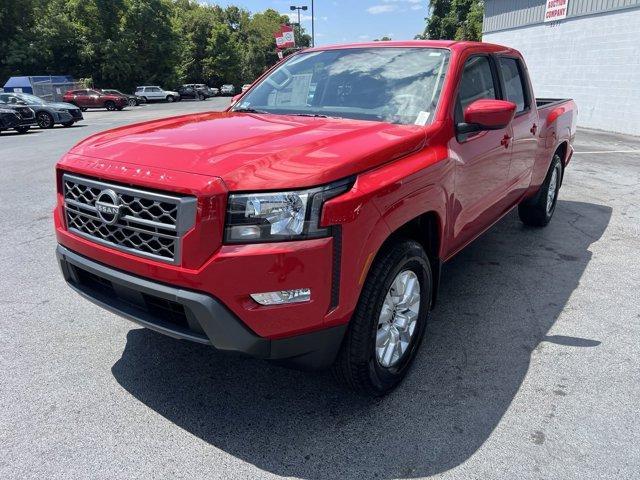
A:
{"points": [[505, 141], [534, 129]]}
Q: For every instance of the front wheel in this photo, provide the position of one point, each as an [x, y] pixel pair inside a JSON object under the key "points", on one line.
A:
{"points": [[170, 98], [389, 322], [132, 102], [45, 120], [537, 212], [109, 105], [84, 109]]}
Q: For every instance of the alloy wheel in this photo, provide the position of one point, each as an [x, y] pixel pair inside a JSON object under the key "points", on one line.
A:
{"points": [[398, 318], [552, 190]]}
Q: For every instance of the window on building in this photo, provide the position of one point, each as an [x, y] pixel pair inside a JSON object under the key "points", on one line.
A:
{"points": [[513, 83]]}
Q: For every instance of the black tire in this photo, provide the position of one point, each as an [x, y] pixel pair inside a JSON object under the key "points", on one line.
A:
{"points": [[170, 98], [537, 211], [109, 105], [22, 130], [145, 99], [200, 97], [132, 102], [357, 365], [68, 124], [83, 109], [44, 119], [119, 108]]}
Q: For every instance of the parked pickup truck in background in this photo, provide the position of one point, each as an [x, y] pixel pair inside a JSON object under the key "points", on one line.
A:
{"points": [[308, 223]]}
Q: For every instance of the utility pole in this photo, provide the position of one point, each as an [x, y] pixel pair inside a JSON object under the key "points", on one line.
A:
{"points": [[298, 8], [313, 35]]}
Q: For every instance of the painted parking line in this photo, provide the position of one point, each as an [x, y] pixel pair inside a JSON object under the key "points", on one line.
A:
{"points": [[608, 151]]}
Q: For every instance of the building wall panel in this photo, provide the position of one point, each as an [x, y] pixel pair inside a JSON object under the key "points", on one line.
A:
{"points": [[594, 59], [503, 14]]}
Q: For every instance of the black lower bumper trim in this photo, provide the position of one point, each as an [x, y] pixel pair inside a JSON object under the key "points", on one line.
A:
{"points": [[190, 315]]}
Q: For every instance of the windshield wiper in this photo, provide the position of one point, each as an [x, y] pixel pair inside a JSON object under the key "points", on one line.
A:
{"points": [[317, 115], [248, 110]]}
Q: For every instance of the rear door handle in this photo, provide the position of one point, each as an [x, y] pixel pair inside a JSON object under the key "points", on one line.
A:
{"points": [[534, 129], [505, 141]]}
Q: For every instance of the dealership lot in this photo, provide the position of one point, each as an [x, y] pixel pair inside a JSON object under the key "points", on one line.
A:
{"points": [[530, 367]]}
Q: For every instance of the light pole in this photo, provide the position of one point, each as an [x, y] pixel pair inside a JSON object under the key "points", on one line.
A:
{"points": [[298, 8]]}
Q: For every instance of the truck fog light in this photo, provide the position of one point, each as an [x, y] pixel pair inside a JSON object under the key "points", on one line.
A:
{"points": [[283, 296]]}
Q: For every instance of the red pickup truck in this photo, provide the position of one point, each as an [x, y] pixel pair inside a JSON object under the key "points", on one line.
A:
{"points": [[308, 223]]}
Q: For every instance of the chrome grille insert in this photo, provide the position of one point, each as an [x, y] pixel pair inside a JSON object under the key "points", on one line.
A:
{"points": [[146, 223]]}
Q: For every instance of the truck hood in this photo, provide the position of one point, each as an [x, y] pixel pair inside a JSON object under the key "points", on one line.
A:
{"points": [[257, 151]]}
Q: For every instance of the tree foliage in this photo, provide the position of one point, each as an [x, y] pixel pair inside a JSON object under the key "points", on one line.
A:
{"points": [[123, 43], [454, 20]]}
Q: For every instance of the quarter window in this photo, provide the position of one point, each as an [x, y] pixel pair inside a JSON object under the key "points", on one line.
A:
{"points": [[513, 84]]}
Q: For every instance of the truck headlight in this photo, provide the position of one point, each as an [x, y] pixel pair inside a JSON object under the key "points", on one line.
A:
{"points": [[279, 216]]}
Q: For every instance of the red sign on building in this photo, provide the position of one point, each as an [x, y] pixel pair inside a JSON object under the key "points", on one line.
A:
{"points": [[555, 10]]}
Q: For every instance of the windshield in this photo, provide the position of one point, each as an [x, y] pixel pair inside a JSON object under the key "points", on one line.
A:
{"points": [[24, 97], [397, 85]]}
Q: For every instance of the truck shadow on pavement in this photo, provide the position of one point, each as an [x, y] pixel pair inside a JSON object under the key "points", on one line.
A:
{"points": [[498, 300]]}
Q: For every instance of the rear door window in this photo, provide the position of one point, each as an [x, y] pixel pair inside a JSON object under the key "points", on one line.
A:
{"points": [[515, 90]]}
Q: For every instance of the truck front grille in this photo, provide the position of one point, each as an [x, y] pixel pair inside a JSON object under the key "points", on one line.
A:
{"points": [[141, 222]]}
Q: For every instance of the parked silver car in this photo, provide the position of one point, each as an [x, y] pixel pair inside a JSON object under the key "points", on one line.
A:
{"points": [[153, 93], [227, 89]]}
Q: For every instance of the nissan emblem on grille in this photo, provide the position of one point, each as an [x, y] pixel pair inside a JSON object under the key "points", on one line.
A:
{"points": [[141, 222], [108, 206]]}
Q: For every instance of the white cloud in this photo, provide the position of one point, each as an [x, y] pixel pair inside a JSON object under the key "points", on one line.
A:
{"points": [[416, 6], [377, 9]]}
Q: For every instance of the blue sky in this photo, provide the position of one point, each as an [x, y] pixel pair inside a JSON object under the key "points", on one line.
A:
{"points": [[350, 21]]}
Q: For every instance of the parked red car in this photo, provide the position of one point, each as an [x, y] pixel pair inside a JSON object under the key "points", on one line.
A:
{"points": [[88, 98], [308, 223]]}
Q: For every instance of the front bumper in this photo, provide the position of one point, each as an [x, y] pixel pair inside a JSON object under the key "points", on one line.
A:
{"points": [[191, 315]]}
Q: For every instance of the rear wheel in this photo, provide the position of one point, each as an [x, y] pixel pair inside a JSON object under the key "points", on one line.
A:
{"points": [[132, 102], [109, 105], [22, 130], [170, 98], [537, 212], [389, 322], [44, 119]]}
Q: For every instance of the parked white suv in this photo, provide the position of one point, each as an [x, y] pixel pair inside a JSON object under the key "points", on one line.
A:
{"points": [[153, 93]]}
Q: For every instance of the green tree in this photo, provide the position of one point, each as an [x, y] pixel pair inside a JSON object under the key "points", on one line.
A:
{"points": [[121, 43], [454, 20]]}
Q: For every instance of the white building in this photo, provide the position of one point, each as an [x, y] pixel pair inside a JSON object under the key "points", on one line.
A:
{"points": [[592, 55]]}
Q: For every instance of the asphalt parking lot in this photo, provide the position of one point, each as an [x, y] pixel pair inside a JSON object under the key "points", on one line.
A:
{"points": [[529, 370]]}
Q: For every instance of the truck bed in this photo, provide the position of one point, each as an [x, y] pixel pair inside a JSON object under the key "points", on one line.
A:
{"points": [[550, 102]]}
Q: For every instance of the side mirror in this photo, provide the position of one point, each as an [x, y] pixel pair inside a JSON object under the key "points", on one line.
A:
{"points": [[235, 98], [487, 114]]}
